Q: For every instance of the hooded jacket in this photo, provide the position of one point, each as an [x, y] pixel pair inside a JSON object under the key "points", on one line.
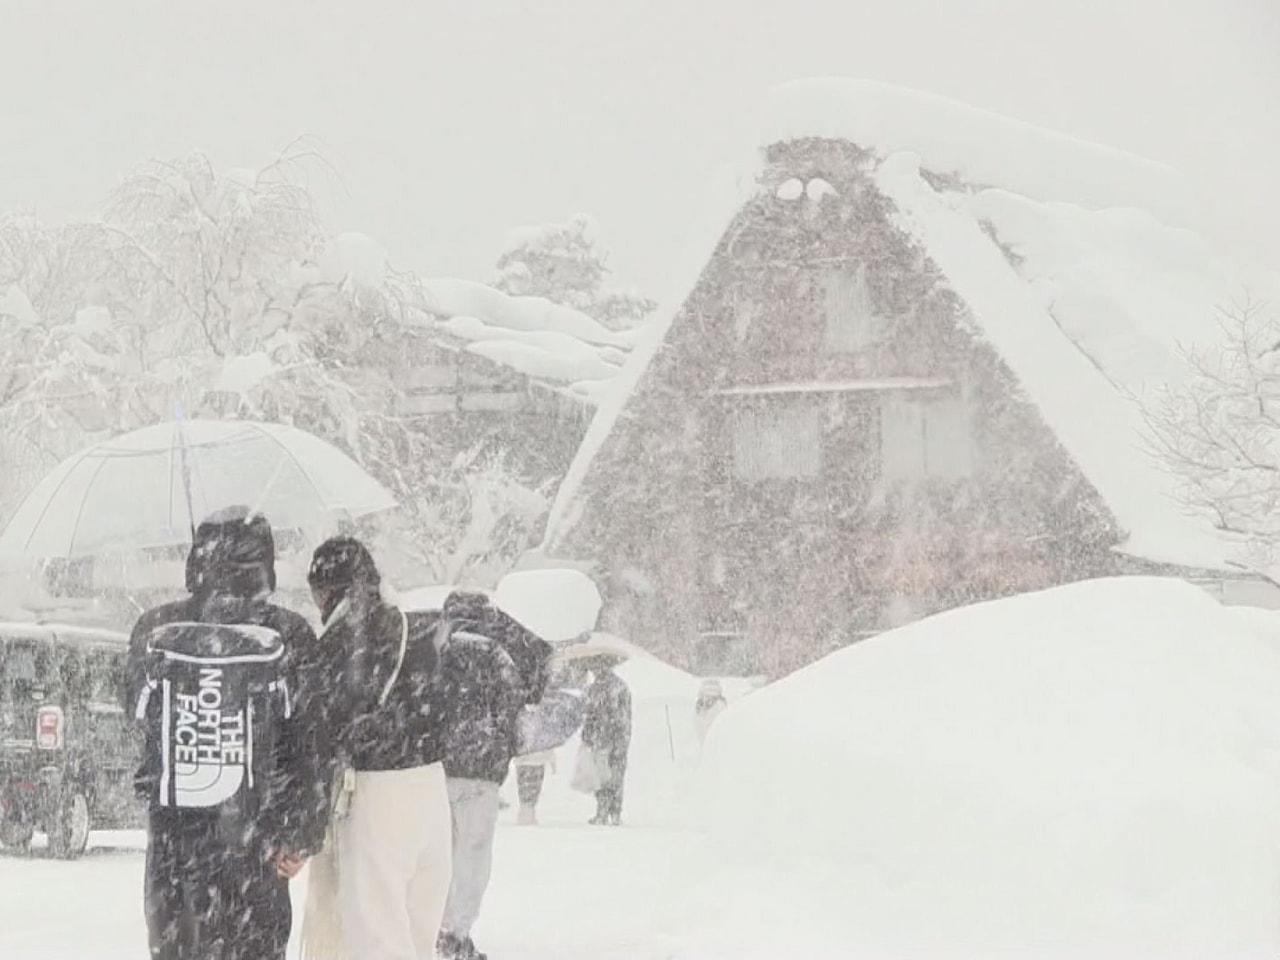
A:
{"points": [[230, 582], [482, 694]]}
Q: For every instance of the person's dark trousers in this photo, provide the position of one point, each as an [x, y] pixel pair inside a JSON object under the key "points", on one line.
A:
{"points": [[210, 900], [529, 784], [609, 797]]}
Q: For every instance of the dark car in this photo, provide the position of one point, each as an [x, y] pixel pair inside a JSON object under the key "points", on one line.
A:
{"points": [[67, 750]]}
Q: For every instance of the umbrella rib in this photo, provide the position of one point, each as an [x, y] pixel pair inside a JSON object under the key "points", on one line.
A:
{"points": [[297, 463], [256, 509], [171, 444], [49, 502], [71, 545]]}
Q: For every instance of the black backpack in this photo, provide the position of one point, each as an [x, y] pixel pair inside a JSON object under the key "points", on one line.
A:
{"points": [[211, 706], [476, 613]]}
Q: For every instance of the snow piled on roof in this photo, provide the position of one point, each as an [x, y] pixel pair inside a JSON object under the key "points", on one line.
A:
{"points": [[1090, 411], [467, 298], [541, 354], [1090, 310], [1126, 287], [982, 148], [550, 343]]}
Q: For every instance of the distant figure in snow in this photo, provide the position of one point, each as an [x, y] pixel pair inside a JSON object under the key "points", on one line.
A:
{"points": [[711, 703], [607, 732], [531, 773]]}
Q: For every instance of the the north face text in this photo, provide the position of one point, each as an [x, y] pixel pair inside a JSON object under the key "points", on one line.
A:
{"points": [[203, 733]]}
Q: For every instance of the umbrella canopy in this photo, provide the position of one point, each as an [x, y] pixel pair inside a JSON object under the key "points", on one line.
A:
{"points": [[598, 646], [130, 492]]}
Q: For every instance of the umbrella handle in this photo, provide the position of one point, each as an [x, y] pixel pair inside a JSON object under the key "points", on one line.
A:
{"points": [[185, 467]]}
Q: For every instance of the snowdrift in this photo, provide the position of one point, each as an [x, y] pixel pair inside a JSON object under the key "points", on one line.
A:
{"points": [[1091, 771]]}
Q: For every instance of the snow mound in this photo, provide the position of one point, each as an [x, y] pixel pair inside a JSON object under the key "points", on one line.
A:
{"points": [[980, 147], [558, 605], [1089, 771]]}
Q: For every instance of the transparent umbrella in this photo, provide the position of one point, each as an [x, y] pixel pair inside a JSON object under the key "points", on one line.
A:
{"points": [[148, 488]]}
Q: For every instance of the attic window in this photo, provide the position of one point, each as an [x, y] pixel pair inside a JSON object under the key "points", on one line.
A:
{"points": [[777, 441], [817, 188], [925, 438], [792, 189], [852, 324]]}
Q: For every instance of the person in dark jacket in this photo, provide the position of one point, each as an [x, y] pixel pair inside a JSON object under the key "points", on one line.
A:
{"points": [[214, 889], [607, 731], [394, 859], [485, 694]]}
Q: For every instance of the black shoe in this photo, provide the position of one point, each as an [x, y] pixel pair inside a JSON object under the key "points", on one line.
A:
{"points": [[471, 952], [450, 947]]}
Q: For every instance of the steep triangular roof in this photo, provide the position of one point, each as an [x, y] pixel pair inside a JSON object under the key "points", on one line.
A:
{"points": [[1078, 264]]}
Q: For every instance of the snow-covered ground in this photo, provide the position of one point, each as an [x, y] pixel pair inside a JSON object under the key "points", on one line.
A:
{"points": [[1092, 771], [561, 891]]}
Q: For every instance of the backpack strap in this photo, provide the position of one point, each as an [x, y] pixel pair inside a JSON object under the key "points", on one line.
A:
{"points": [[404, 645]]}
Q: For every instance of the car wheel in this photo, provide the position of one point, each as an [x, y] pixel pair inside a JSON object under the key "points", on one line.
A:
{"points": [[69, 834], [15, 836]]}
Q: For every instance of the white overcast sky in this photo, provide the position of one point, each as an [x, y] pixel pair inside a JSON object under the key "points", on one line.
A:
{"points": [[451, 121]]}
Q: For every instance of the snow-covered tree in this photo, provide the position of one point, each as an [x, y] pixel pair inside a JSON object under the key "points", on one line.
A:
{"points": [[1220, 431], [222, 292], [565, 263]]}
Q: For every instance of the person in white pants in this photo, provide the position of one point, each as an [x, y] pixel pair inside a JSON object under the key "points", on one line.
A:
{"points": [[395, 863], [378, 890], [484, 694]]}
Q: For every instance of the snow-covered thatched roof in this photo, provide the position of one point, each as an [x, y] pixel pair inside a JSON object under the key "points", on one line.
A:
{"points": [[1080, 265], [555, 345], [547, 342]]}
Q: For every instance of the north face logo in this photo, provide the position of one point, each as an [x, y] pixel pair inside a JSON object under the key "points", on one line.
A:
{"points": [[209, 745], [214, 697]]}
